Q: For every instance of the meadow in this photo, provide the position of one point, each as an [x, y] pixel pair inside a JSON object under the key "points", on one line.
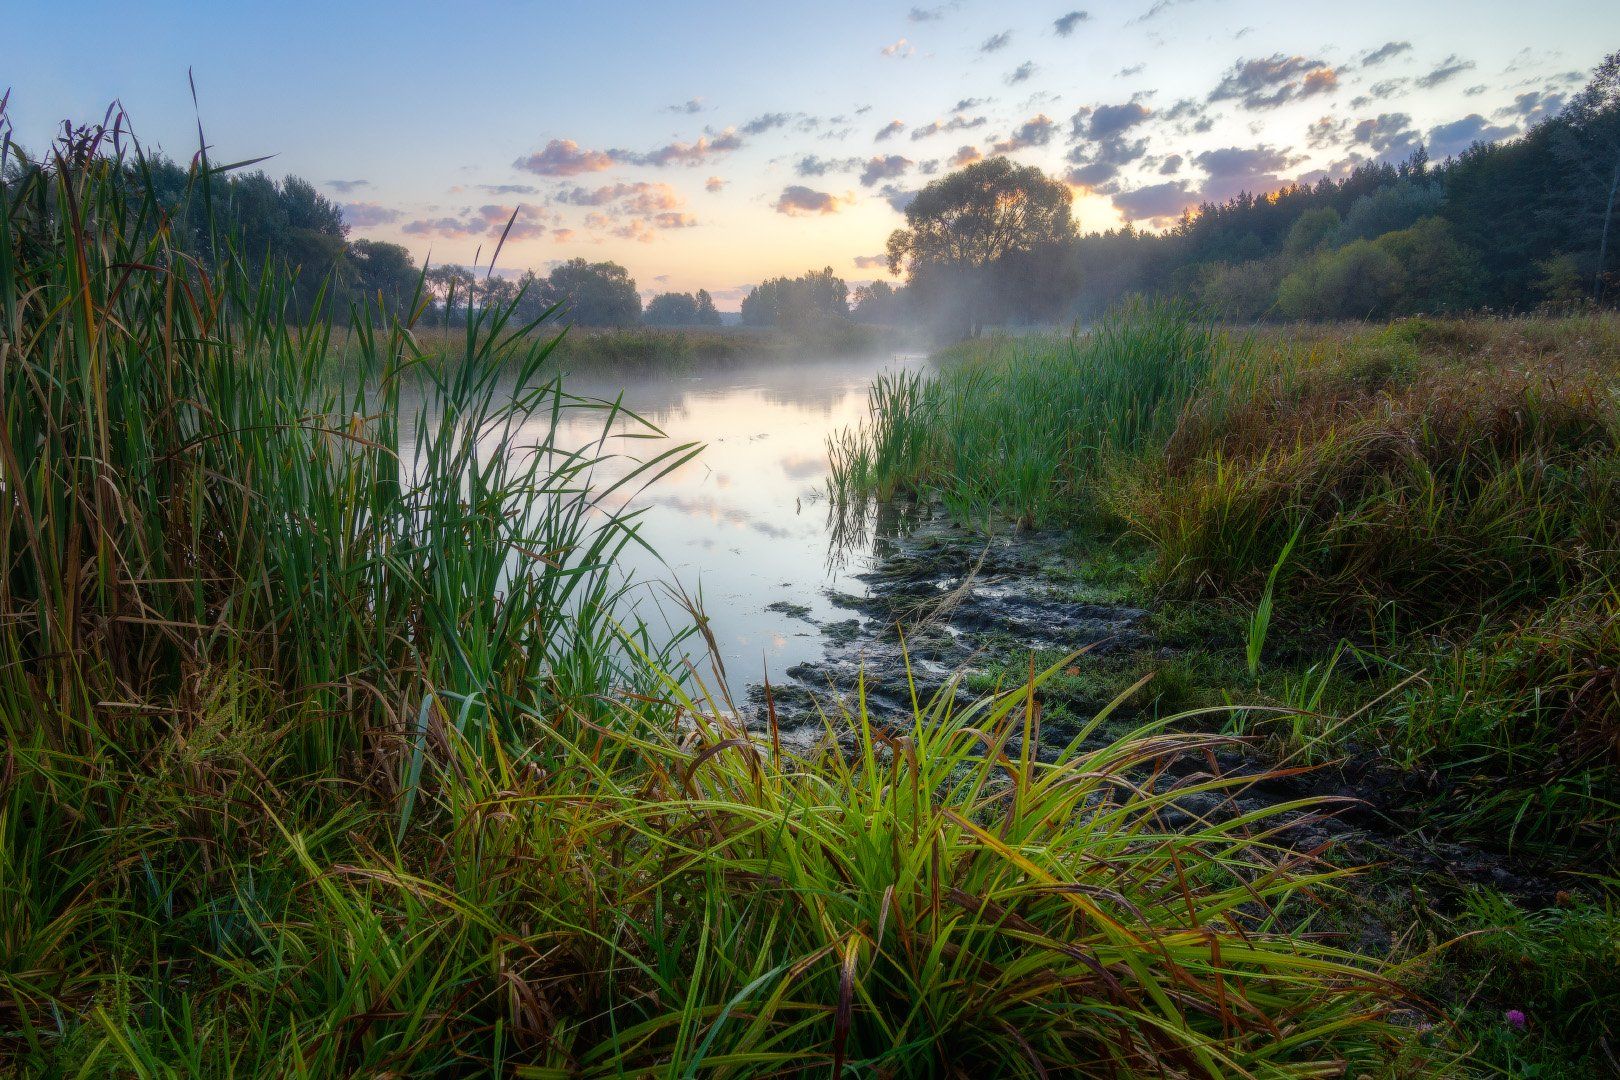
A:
{"points": [[1404, 537], [329, 749]]}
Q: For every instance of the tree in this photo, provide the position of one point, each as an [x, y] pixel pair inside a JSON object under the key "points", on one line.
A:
{"points": [[707, 313], [382, 276], [594, 294], [878, 304], [1358, 281], [452, 288], [1312, 230], [671, 309], [1593, 118], [991, 219], [797, 303]]}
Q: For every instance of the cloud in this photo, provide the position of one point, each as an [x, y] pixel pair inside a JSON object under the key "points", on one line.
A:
{"points": [[683, 153], [965, 155], [1323, 132], [1270, 81], [562, 236], [1157, 9], [640, 197], [692, 105], [346, 186], [1064, 25], [364, 215], [897, 197], [714, 185], [955, 123], [1448, 140], [765, 122], [1387, 51], [900, 50], [1021, 73], [1184, 110], [893, 127], [1390, 136], [1099, 164], [969, 103], [1111, 121], [673, 219], [1036, 131], [920, 15], [509, 189], [811, 165], [797, 200], [1093, 174], [487, 221], [995, 42], [1170, 165], [1156, 202], [1448, 68], [1127, 72], [867, 262], [563, 157], [884, 168], [1533, 105], [1234, 169]]}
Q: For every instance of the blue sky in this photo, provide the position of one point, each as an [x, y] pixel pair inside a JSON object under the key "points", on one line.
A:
{"points": [[716, 144]]}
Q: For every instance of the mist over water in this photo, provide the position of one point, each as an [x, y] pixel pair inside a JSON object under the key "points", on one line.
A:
{"points": [[745, 523]]}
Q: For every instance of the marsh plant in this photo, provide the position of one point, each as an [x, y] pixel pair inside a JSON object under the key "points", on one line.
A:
{"points": [[332, 745]]}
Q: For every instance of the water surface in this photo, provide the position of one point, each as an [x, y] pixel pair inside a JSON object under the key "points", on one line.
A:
{"points": [[745, 524]]}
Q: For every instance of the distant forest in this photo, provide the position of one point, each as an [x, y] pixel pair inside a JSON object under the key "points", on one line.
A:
{"points": [[1512, 226]]}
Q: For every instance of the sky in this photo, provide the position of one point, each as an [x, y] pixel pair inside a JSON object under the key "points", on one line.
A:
{"points": [[712, 145]]}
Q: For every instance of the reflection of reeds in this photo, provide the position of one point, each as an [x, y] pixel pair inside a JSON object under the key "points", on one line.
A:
{"points": [[865, 525]]}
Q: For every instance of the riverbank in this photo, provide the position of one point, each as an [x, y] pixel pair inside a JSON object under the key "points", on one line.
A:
{"points": [[1395, 545], [331, 748]]}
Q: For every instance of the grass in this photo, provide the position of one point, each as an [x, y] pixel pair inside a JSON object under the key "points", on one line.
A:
{"points": [[1402, 537], [1020, 426], [333, 746]]}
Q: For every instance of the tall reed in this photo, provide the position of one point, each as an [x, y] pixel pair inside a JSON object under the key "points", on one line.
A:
{"points": [[1019, 426], [331, 747]]}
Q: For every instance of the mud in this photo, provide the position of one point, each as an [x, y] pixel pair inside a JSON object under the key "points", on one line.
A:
{"points": [[942, 606]]}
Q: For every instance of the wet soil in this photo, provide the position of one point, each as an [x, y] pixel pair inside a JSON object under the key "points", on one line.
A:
{"points": [[944, 606]]}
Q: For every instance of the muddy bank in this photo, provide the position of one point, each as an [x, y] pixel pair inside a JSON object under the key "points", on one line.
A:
{"points": [[947, 612]]}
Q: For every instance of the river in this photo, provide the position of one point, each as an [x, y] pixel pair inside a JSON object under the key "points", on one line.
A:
{"points": [[745, 524]]}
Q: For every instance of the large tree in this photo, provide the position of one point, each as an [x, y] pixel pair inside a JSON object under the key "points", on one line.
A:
{"points": [[594, 294], [983, 238], [382, 276], [797, 303]]}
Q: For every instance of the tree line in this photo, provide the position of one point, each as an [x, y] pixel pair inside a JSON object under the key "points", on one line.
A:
{"points": [[1509, 226], [251, 217]]}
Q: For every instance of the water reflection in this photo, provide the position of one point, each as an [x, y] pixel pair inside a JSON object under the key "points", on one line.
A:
{"points": [[745, 524]]}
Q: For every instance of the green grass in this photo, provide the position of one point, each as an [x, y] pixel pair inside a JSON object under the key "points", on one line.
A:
{"points": [[331, 746], [1405, 539], [1020, 426]]}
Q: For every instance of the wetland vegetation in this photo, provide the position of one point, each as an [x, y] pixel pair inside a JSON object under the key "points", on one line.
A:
{"points": [[1232, 700]]}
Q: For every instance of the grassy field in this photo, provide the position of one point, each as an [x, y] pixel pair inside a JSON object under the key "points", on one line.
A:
{"points": [[1406, 537], [329, 749]]}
